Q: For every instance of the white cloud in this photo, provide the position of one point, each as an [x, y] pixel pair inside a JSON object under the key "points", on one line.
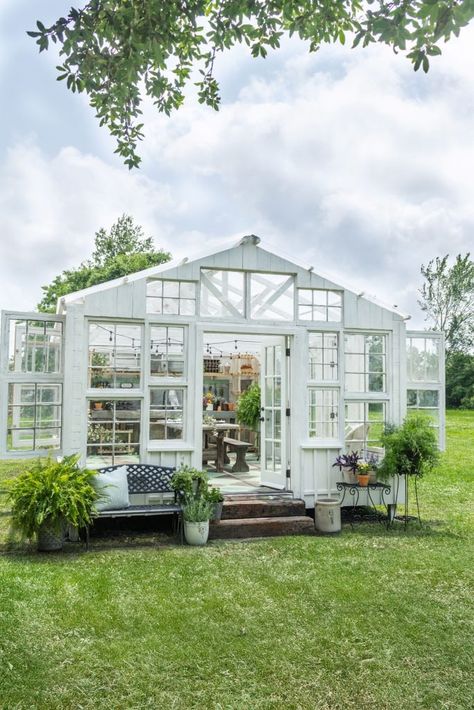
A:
{"points": [[51, 208], [346, 159]]}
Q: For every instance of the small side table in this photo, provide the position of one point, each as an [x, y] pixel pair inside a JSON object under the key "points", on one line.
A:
{"points": [[354, 489]]}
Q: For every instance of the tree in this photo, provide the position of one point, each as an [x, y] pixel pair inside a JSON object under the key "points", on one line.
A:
{"points": [[447, 298], [118, 252], [116, 49], [460, 381]]}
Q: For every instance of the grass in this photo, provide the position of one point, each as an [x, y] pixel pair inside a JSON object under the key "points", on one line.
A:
{"points": [[369, 619]]}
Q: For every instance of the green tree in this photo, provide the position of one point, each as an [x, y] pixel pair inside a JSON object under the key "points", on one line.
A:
{"points": [[115, 50], [447, 299], [460, 380], [121, 251]]}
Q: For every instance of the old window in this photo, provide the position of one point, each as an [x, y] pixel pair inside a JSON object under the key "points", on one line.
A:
{"points": [[318, 304], [365, 363], [424, 402], [166, 351], [222, 293], [114, 355], [34, 416], [113, 432], [174, 298], [423, 359], [323, 413], [364, 425], [166, 413], [35, 346], [323, 356], [272, 296]]}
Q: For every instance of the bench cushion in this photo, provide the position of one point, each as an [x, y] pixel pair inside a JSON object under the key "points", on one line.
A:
{"points": [[113, 487]]}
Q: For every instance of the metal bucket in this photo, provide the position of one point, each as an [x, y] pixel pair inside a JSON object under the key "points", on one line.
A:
{"points": [[327, 515]]}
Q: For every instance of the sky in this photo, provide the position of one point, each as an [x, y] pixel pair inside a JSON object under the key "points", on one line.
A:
{"points": [[345, 160]]}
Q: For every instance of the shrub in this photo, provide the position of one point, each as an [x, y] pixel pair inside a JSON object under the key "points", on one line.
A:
{"points": [[410, 450]]}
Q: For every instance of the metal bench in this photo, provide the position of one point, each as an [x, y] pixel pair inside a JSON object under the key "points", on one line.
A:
{"points": [[146, 479], [240, 448]]}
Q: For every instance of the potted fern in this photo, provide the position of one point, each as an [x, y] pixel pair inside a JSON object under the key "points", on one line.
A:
{"points": [[50, 495]]}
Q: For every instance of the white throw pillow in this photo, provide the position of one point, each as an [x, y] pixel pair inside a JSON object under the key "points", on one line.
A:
{"points": [[113, 487]]}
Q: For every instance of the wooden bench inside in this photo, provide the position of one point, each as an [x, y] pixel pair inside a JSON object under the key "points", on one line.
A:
{"points": [[240, 448]]}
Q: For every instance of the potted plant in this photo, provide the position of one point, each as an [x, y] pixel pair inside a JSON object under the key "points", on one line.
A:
{"points": [[189, 482], [363, 469], [348, 464], [48, 496], [197, 511], [248, 407], [216, 497], [411, 450]]}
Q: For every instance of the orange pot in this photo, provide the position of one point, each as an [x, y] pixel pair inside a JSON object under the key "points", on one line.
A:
{"points": [[363, 479]]}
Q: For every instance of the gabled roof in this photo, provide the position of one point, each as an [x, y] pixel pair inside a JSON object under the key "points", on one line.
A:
{"points": [[228, 249]]}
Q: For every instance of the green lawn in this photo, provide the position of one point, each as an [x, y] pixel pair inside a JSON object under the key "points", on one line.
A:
{"points": [[369, 619]]}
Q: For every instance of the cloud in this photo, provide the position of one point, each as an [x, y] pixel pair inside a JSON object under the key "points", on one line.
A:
{"points": [[50, 209], [344, 159], [350, 158]]}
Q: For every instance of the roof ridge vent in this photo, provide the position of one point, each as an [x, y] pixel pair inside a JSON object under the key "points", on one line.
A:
{"points": [[250, 239]]}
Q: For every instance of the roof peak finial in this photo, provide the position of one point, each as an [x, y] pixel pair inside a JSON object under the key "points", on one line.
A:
{"points": [[250, 239]]}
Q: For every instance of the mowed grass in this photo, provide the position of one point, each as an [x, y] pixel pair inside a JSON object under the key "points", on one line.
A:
{"points": [[369, 619]]}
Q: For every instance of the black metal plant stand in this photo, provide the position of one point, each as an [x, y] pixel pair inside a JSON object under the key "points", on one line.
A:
{"points": [[354, 489], [405, 518]]}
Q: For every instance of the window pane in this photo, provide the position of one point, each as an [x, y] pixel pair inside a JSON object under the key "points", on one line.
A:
{"points": [[365, 363], [323, 413], [272, 296], [35, 346], [114, 355], [113, 433], [222, 293], [320, 305], [166, 413], [166, 351], [423, 359], [323, 356], [34, 416], [171, 297], [364, 424]]}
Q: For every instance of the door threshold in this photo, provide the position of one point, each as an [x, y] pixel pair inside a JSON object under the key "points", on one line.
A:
{"points": [[269, 494]]}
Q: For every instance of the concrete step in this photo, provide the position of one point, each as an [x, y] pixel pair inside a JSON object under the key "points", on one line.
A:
{"points": [[260, 508], [261, 527]]}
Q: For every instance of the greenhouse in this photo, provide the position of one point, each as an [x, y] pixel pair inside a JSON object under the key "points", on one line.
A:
{"points": [[155, 367]]}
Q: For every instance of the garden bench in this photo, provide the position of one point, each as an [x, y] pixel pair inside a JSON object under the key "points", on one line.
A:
{"points": [[146, 480], [240, 448]]}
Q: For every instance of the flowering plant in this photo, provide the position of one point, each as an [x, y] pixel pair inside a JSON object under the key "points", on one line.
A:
{"points": [[363, 467]]}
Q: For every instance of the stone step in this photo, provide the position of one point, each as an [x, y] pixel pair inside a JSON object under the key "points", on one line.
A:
{"points": [[261, 527], [260, 508]]}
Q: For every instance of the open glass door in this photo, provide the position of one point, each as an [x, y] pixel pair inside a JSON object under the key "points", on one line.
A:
{"points": [[274, 399]]}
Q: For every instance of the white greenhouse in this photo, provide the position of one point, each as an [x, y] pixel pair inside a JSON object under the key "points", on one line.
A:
{"points": [[150, 368]]}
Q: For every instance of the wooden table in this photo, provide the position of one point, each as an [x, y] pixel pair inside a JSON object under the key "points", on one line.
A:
{"points": [[220, 429]]}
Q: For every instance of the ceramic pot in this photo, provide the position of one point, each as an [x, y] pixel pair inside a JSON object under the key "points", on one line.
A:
{"points": [[372, 477], [349, 477], [363, 479], [196, 533]]}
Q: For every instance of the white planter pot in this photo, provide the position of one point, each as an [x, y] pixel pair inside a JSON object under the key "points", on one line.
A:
{"points": [[349, 477], [196, 533], [327, 515]]}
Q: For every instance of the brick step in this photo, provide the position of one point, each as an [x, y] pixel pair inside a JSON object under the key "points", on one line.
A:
{"points": [[260, 508], [261, 527]]}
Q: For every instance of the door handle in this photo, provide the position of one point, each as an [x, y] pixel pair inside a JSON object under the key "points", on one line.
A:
{"points": [[262, 419]]}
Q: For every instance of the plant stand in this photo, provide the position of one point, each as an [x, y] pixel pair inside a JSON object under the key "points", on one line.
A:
{"points": [[354, 489], [405, 517]]}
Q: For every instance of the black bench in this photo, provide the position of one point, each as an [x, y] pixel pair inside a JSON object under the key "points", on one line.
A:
{"points": [[240, 448], [145, 479]]}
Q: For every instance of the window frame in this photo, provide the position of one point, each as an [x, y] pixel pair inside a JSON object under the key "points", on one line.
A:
{"points": [[114, 399], [113, 324], [34, 428], [156, 443], [179, 298], [386, 373], [313, 305]]}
